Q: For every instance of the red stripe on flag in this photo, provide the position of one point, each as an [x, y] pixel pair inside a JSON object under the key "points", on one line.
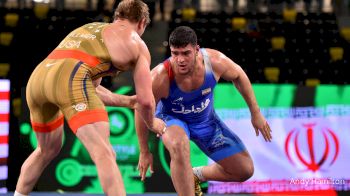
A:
{"points": [[5, 95], [4, 117], [4, 139], [3, 161]]}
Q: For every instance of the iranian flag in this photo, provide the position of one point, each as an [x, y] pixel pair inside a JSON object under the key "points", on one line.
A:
{"points": [[309, 153]]}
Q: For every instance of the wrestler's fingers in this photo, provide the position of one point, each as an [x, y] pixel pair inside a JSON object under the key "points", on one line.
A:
{"points": [[270, 135], [268, 131], [143, 174], [151, 168], [140, 171], [256, 131], [264, 134], [267, 135], [267, 126], [138, 166], [163, 131]]}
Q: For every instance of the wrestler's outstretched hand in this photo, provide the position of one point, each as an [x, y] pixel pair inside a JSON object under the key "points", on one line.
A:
{"points": [[159, 127], [260, 125], [145, 161]]}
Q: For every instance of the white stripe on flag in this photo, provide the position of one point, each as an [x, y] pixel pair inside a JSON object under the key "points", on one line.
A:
{"points": [[3, 190], [3, 172], [4, 85], [4, 128], [4, 150], [4, 107]]}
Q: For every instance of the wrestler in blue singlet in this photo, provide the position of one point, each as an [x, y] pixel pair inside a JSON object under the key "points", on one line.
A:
{"points": [[194, 112]]}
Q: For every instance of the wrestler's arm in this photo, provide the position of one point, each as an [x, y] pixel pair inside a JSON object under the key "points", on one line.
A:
{"points": [[131, 51], [225, 68], [159, 82], [145, 106], [113, 99]]}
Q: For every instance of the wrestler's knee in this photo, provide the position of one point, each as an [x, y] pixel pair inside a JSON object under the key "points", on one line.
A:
{"points": [[246, 172], [240, 174], [102, 152], [51, 152], [178, 147]]}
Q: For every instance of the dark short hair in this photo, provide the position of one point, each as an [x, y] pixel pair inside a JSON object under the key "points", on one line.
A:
{"points": [[182, 36], [132, 10]]}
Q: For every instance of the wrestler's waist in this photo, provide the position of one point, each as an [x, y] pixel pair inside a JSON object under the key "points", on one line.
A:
{"points": [[194, 119], [86, 58]]}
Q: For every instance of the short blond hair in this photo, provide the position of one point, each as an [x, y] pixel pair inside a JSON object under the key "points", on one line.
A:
{"points": [[132, 10]]}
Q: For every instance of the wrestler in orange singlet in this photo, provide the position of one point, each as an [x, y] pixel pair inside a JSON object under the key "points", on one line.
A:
{"points": [[66, 85]]}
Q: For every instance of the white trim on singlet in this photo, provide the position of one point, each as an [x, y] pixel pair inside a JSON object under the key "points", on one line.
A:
{"points": [[206, 59]]}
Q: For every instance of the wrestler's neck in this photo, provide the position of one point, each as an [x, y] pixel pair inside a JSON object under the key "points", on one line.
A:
{"points": [[126, 24]]}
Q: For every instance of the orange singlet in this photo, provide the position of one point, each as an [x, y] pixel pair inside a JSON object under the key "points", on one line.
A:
{"points": [[61, 85]]}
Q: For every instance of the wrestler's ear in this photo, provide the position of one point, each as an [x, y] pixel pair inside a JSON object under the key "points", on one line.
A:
{"points": [[197, 49], [142, 23]]}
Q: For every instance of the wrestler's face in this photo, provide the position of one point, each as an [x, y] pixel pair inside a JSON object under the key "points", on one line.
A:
{"points": [[184, 58]]}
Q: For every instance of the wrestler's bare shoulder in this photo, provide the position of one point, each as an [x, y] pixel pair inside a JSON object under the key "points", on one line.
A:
{"points": [[161, 81], [123, 44]]}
